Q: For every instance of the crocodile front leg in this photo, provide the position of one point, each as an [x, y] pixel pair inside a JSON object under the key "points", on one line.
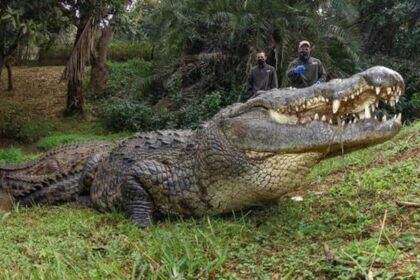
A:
{"points": [[138, 203]]}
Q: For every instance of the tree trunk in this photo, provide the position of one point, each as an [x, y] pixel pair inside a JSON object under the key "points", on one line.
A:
{"points": [[1, 69], [9, 76], [75, 86], [98, 71], [74, 97]]}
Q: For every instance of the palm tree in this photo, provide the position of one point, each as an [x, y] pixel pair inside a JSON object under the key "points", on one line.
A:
{"points": [[237, 28]]}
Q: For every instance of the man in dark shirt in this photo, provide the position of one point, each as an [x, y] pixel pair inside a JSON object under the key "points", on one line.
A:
{"points": [[262, 76], [305, 71]]}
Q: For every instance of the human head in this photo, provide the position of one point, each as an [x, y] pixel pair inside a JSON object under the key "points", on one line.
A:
{"points": [[261, 57], [304, 50]]}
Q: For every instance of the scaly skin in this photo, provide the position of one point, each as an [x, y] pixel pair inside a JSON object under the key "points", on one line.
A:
{"points": [[248, 154], [53, 177]]}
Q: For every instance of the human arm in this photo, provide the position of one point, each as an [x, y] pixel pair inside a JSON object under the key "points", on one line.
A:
{"points": [[274, 80], [322, 74]]}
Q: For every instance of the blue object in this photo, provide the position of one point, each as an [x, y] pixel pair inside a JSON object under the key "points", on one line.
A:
{"points": [[299, 69], [318, 82]]}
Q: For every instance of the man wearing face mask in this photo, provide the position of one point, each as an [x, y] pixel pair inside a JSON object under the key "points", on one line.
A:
{"points": [[305, 71], [262, 76]]}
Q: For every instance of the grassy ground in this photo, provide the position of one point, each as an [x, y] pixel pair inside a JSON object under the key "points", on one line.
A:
{"points": [[349, 205]]}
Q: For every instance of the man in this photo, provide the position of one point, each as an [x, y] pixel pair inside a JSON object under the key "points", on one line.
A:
{"points": [[262, 76], [305, 71]]}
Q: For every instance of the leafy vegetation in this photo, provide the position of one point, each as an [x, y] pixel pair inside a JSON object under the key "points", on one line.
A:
{"points": [[345, 204]]}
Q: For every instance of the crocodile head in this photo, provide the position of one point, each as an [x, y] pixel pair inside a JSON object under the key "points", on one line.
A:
{"points": [[328, 118]]}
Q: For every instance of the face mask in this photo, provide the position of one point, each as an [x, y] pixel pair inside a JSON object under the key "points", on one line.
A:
{"points": [[304, 56], [260, 61]]}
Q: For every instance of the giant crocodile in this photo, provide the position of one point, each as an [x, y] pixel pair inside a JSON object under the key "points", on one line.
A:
{"points": [[247, 154]]}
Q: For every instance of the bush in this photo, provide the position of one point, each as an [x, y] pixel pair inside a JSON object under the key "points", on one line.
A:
{"points": [[124, 51], [127, 78], [121, 114], [16, 125], [32, 131], [10, 125]]}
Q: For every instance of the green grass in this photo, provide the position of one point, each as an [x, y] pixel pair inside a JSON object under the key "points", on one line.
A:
{"points": [[281, 241], [15, 155]]}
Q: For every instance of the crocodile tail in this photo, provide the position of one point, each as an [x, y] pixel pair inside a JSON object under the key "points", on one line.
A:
{"points": [[49, 189], [8, 169]]}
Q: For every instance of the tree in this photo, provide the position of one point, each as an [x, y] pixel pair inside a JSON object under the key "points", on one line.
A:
{"points": [[98, 70], [223, 35], [88, 16], [22, 21]]}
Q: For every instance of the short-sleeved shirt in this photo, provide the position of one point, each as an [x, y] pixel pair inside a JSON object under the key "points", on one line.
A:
{"points": [[314, 71]]}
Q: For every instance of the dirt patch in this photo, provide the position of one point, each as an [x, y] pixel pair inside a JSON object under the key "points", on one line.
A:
{"points": [[38, 92]]}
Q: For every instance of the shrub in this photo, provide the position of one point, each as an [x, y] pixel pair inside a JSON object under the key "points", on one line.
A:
{"points": [[127, 78], [32, 131], [10, 125], [124, 51], [120, 114]]}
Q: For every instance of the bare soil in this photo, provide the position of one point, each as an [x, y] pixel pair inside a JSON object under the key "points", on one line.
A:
{"points": [[37, 90]]}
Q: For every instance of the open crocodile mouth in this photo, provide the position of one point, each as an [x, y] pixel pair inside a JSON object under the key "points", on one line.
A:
{"points": [[351, 107]]}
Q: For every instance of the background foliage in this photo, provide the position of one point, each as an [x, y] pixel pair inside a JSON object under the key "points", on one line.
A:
{"points": [[172, 64]]}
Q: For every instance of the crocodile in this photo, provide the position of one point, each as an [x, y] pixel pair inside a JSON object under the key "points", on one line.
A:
{"points": [[248, 154]]}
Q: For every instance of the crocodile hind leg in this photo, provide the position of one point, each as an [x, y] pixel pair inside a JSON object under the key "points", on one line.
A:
{"points": [[138, 203]]}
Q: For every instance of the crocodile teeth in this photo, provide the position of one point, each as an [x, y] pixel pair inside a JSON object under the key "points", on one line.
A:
{"points": [[324, 118], [392, 102], [399, 118], [316, 117], [388, 90], [343, 122], [397, 99], [352, 96], [373, 107], [377, 90], [384, 118], [336, 105], [367, 112], [330, 122]]}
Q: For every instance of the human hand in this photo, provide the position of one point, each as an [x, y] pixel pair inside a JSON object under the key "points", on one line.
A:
{"points": [[299, 69]]}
